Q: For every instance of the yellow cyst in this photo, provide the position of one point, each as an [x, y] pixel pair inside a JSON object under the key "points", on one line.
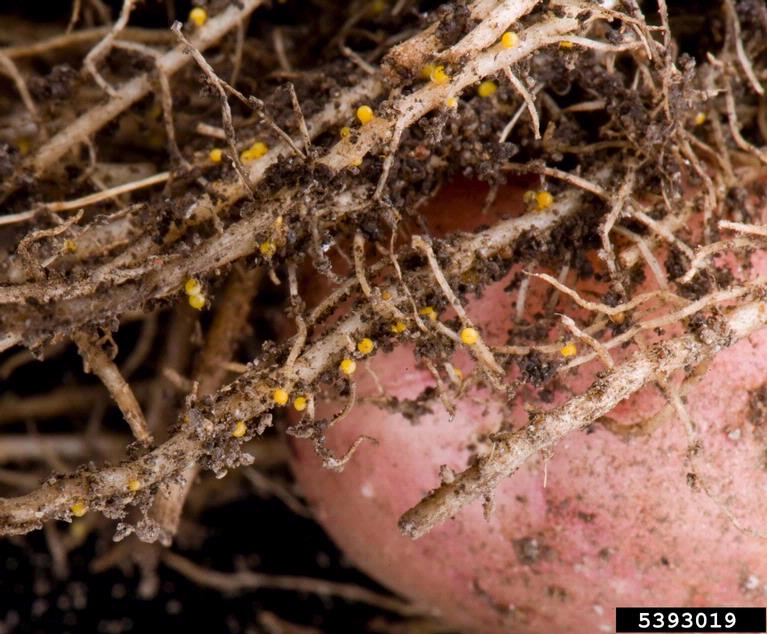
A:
{"points": [[568, 350], [240, 429], [543, 200], [299, 403], [378, 6], [451, 102], [24, 146], [348, 366], [398, 327], [427, 70], [215, 155], [365, 346], [458, 372], [428, 311], [70, 246], [509, 39], [197, 301], [78, 509], [267, 249], [255, 151], [365, 114], [280, 396], [79, 531], [155, 111], [259, 148], [156, 141], [198, 15], [487, 88], [386, 296], [439, 76], [345, 131], [566, 44], [700, 118], [192, 286], [469, 336], [133, 485]]}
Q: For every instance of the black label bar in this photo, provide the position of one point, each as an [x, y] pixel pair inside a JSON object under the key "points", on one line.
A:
{"points": [[690, 620]]}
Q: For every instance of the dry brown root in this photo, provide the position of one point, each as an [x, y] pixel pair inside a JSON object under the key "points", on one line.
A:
{"points": [[249, 397], [225, 332], [328, 182], [99, 363], [131, 92]]}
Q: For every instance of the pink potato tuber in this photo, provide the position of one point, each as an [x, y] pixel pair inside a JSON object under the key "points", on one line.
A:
{"points": [[616, 514]]}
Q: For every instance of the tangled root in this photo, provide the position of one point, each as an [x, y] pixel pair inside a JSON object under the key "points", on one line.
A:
{"points": [[617, 121]]}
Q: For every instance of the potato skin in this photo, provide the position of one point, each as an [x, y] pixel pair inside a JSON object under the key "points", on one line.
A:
{"points": [[604, 521]]}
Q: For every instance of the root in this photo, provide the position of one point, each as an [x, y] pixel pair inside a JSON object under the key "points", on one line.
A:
{"points": [[86, 201], [102, 49], [483, 354], [332, 184], [246, 580], [249, 396], [226, 110], [617, 209], [695, 453], [97, 362], [598, 348], [134, 90], [528, 99], [511, 450]]}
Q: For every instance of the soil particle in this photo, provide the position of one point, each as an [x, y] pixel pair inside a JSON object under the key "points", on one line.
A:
{"points": [[454, 22], [55, 86], [535, 369], [757, 406], [529, 550]]}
